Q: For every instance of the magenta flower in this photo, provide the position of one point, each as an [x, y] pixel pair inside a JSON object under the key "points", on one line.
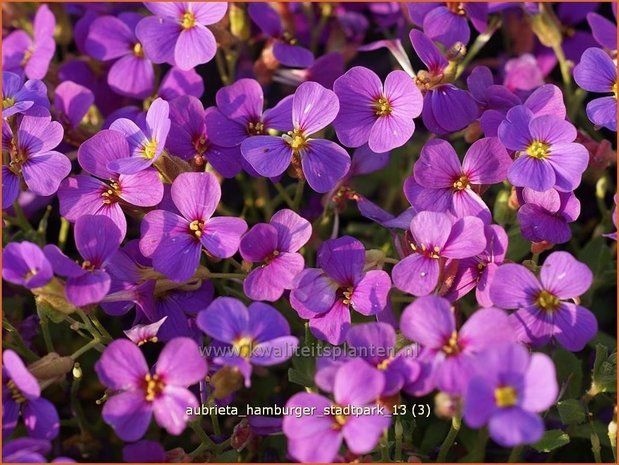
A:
{"points": [[451, 355], [543, 312], [276, 246], [446, 108], [174, 242], [507, 391], [140, 392], [436, 237], [97, 238], [31, 157], [25, 264], [545, 216], [325, 295], [178, 35], [22, 395], [105, 191], [141, 334], [546, 153], [323, 162], [597, 73], [22, 53], [380, 116], [356, 384], [20, 97], [72, 101], [145, 146], [441, 183], [258, 335], [112, 39]]}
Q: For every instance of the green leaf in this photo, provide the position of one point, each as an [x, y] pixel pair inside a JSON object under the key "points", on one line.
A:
{"points": [[604, 370], [551, 440], [569, 372], [519, 247], [298, 377], [571, 412]]}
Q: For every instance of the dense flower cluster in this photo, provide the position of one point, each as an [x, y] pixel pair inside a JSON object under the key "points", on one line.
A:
{"points": [[332, 208]]}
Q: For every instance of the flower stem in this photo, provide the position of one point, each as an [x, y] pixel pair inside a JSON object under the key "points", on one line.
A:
{"points": [[19, 344], [47, 337], [398, 429], [384, 447], [63, 233], [206, 441], [226, 275], [298, 195], [481, 40], [449, 439], [515, 454], [284, 194], [82, 350]]}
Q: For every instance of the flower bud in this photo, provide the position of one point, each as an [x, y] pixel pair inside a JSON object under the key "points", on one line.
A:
{"points": [[239, 22], [545, 27], [226, 381], [51, 368]]}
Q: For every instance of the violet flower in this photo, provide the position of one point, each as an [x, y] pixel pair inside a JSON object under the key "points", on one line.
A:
{"points": [[175, 242], [508, 392], [72, 101], [22, 395], [356, 384], [325, 295], [178, 35], [441, 183], [141, 334], [546, 153], [322, 161], [597, 73], [139, 392], [97, 238], [254, 335], [275, 245], [144, 451], [31, 157], [542, 310], [20, 97], [112, 39], [105, 191], [436, 237], [380, 116], [25, 264], [22, 53], [451, 355], [604, 30]]}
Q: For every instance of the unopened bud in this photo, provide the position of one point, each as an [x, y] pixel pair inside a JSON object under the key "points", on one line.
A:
{"points": [[374, 258], [51, 368], [226, 381], [546, 28], [239, 22]]}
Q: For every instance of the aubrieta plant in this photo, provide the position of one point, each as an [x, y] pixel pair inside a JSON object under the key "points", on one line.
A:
{"points": [[309, 232]]}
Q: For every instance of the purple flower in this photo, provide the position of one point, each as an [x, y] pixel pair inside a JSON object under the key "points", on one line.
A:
{"points": [[26, 450], [441, 183], [604, 30], [97, 238], [178, 82], [508, 392], [258, 335], [324, 295], [175, 242], [32, 158], [285, 47], [72, 101], [144, 451], [190, 140], [478, 272], [276, 245], [113, 39], [491, 97], [614, 218], [20, 97], [356, 384], [324, 71], [31, 55], [103, 195], [141, 334], [523, 73], [451, 355], [597, 72], [436, 237], [145, 146], [447, 22], [380, 116], [141, 392], [239, 114], [323, 162], [21, 393], [543, 312], [25, 265], [546, 153], [178, 35], [446, 108], [545, 216]]}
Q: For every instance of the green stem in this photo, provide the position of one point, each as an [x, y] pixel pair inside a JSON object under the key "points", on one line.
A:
{"points": [[204, 439], [384, 447], [298, 195], [393, 261], [398, 429], [221, 67], [47, 337], [19, 346], [82, 350], [515, 454], [481, 40], [449, 439], [21, 219], [284, 194], [226, 275], [63, 233]]}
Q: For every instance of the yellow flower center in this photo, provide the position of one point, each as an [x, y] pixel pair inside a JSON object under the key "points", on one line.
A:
{"points": [[111, 194], [538, 149], [461, 183], [8, 102], [451, 347], [613, 89], [153, 386], [346, 295], [188, 20], [138, 51], [255, 129], [547, 301], [153, 339], [196, 227], [382, 107], [150, 149], [505, 396], [339, 421], [16, 394], [88, 266], [244, 346], [384, 364], [296, 140], [456, 7]]}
